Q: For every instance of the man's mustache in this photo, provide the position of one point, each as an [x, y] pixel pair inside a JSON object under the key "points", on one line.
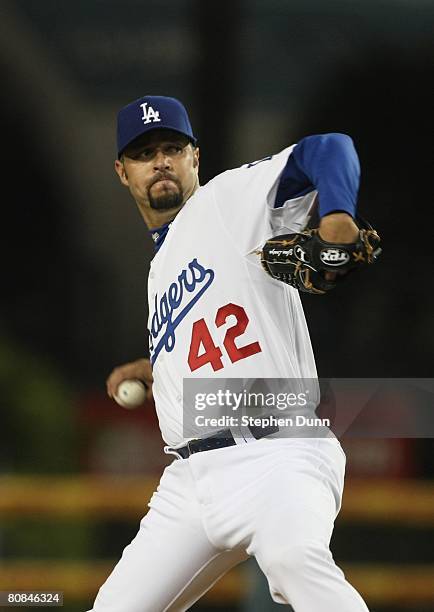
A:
{"points": [[163, 176]]}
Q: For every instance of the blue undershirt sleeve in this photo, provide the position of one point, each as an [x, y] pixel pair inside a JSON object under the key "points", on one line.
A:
{"points": [[327, 163]]}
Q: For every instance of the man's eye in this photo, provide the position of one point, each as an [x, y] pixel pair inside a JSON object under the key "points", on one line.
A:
{"points": [[174, 149], [144, 154]]}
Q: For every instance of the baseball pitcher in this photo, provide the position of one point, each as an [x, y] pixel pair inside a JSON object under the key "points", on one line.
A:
{"points": [[230, 259]]}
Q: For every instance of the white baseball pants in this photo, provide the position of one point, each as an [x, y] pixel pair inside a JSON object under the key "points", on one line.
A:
{"points": [[274, 499]]}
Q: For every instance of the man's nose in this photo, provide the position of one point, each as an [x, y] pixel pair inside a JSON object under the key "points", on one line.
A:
{"points": [[161, 161]]}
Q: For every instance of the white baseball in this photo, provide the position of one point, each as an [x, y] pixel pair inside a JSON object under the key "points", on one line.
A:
{"points": [[130, 393]]}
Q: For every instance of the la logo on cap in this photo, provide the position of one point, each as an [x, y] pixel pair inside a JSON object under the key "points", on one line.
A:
{"points": [[149, 114]]}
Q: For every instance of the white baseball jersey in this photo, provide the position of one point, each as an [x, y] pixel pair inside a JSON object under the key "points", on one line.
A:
{"points": [[213, 311]]}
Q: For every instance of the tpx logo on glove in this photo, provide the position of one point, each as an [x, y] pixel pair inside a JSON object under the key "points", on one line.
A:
{"points": [[334, 257]]}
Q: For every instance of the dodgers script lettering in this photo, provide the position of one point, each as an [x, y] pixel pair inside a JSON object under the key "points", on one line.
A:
{"points": [[195, 279]]}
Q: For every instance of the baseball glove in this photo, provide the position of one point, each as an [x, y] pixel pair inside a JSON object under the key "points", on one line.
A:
{"points": [[303, 259]]}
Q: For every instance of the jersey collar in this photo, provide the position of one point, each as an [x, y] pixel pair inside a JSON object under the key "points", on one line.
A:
{"points": [[158, 234]]}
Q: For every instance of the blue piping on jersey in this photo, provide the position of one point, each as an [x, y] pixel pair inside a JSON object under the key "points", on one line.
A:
{"points": [[327, 163]]}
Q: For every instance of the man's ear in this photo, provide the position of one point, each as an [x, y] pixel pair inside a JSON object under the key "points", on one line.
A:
{"points": [[196, 157], [121, 172]]}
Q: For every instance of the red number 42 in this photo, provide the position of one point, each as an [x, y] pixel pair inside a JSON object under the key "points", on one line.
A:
{"points": [[201, 340]]}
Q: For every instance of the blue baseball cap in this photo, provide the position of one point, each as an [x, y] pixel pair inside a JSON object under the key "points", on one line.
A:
{"points": [[151, 113]]}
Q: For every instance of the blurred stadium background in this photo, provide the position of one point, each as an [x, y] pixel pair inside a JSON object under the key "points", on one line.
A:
{"points": [[76, 471]]}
